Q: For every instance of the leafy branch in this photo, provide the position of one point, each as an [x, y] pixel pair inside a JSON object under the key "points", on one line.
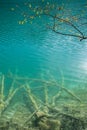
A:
{"points": [[61, 17]]}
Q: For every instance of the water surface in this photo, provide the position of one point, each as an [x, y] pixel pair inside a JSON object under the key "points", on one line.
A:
{"points": [[33, 50]]}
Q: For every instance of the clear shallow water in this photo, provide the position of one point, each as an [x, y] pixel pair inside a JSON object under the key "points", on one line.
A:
{"points": [[33, 50]]}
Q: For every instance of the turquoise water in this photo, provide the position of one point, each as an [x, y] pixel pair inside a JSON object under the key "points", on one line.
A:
{"points": [[33, 50]]}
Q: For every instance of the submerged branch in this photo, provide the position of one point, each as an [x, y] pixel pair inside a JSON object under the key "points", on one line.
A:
{"points": [[53, 82], [31, 96], [72, 94], [12, 94], [46, 94], [2, 87]]}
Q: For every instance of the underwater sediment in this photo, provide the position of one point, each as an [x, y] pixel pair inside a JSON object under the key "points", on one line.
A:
{"points": [[24, 108]]}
